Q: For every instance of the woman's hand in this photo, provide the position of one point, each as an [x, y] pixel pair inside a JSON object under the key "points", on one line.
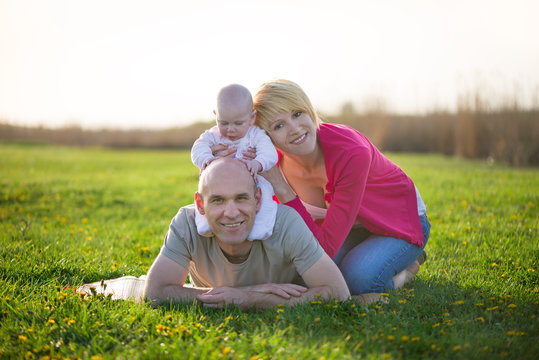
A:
{"points": [[221, 150], [281, 188]]}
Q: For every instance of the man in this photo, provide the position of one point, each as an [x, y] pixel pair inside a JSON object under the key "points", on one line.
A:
{"points": [[229, 269]]}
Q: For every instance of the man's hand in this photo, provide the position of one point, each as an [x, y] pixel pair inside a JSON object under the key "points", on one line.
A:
{"points": [[219, 297]]}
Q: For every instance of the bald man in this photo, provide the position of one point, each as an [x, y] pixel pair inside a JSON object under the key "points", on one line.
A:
{"points": [[227, 268]]}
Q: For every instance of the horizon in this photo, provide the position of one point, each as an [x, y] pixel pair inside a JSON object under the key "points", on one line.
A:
{"points": [[161, 66]]}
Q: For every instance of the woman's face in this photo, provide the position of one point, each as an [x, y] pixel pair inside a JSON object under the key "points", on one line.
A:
{"points": [[293, 132]]}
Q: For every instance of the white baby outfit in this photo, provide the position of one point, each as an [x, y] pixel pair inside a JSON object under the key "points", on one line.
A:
{"points": [[266, 155]]}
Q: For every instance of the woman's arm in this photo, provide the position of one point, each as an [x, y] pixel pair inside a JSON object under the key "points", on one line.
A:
{"points": [[283, 191], [348, 190]]}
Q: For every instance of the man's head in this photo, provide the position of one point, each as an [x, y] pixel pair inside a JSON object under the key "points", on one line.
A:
{"points": [[228, 196], [234, 111]]}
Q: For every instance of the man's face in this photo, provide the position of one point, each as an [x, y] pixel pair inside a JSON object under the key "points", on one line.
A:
{"points": [[229, 202]]}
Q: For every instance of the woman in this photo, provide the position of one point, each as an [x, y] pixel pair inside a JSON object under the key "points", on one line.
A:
{"points": [[363, 209]]}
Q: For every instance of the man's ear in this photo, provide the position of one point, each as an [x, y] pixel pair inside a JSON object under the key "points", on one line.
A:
{"points": [[199, 203], [258, 197]]}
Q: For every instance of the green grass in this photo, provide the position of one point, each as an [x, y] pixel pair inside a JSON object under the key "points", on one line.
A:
{"points": [[70, 216]]}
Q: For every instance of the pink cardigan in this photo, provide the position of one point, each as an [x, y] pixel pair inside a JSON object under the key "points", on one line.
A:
{"points": [[362, 185]]}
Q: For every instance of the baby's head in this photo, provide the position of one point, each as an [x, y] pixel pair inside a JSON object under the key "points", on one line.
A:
{"points": [[234, 112]]}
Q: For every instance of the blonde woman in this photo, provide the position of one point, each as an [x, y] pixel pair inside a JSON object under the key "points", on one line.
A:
{"points": [[365, 212]]}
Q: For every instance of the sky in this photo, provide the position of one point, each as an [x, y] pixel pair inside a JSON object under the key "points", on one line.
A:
{"points": [[160, 63]]}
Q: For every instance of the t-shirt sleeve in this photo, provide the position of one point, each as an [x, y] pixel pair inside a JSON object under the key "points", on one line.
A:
{"points": [[178, 240], [299, 243]]}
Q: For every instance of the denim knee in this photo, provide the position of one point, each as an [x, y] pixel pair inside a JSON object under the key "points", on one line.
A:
{"points": [[364, 279]]}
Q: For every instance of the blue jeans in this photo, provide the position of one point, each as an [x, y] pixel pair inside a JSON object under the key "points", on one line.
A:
{"points": [[369, 261]]}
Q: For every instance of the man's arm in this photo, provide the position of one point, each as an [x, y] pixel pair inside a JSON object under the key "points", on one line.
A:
{"points": [[165, 282], [323, 279], [166, 279]]}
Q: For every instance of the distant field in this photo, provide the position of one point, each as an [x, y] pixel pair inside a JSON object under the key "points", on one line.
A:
{"points": [[73, 215]]}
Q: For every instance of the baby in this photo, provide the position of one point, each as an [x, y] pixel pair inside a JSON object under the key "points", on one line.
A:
{"points": [[235, 128]]}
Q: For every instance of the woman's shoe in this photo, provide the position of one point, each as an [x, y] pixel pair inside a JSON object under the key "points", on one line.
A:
{"points": [[422, 257]]}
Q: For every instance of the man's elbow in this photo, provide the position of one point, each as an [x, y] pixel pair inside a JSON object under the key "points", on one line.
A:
{"points": [[151, 294], [342, 293]]}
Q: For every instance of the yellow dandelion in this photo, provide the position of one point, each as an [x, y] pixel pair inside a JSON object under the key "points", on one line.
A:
{"points": [[386, 356], [435, 325], [402, 301], [377, 307], [335, 306], [493, 264], [480, 319], [511, 306], [51, 321], [390, 337], [384, 294], [97, 357], [280, 311], [510, 333], [531, 270], [404, 338], [168, 317], [316, 319], [491, 308], [226, 350], [479, 304], [458, 302], [411, 290], [415, 339], [22, 338], [456, 348], [363, 315]]}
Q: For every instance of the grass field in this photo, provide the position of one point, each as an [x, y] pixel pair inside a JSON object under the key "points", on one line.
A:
{"points": [[71, 215]]}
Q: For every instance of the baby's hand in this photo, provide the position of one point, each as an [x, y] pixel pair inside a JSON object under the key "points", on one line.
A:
{"points": [[206, 163], [221, 150], [253, 166], [249, 154]]}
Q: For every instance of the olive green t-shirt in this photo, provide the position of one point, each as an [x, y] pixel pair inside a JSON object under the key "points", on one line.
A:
{"points": [[282, 258]]}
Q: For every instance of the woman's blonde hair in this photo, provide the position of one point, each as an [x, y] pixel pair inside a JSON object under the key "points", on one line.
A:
{"points": [[278, 96]]}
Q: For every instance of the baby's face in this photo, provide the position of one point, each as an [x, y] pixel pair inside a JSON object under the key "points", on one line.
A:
{"points": [[234, 124]]}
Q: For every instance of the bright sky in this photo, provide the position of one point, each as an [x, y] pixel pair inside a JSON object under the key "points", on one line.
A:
{"points": [[159, 63]]}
